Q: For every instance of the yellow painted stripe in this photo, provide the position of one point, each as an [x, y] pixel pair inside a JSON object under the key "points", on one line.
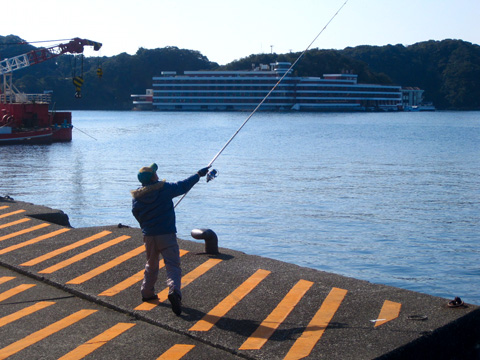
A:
{"points": [[42, 334], [210, 319], [304, 345], [277, 316], [187, 279], [33, 241], [4, 207], [24, 231], [14, 223], [83, 255], [98, 341], [16, 290], [4, 279], [132, 280], [11, 213], [107, 266], [24, 312], [390, 310], [176, 352], [65, 249]]}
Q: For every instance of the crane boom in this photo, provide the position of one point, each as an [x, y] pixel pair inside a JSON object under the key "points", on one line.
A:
{"points": [[75, 46]]}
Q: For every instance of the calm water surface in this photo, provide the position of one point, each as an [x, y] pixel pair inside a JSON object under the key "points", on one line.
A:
{"points": [[389, 198]]}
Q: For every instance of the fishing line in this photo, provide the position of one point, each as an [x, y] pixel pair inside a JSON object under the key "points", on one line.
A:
{"points": [[85, 133], [268, 94], [275, 86]]}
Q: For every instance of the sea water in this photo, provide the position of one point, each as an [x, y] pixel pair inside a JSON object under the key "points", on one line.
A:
{"points": [[392, 198]]}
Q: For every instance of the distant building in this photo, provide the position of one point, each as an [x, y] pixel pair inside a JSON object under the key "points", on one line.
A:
{"points": [[412, 100], [412, 96], [144, 101]]}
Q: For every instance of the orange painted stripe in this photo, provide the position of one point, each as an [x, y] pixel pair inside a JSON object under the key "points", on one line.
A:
{"points": [[187, 279], [390, 310], [210, 319], [83, 255], [14, 223], [16, 290], [24, 312], [33, 241], [65, 249], [176, 352], [304, 345], [277, 316], [11, 213], [44, 333], [98, 341], [132, 280], [4, 207], [191, 276], [4, 279], [24, 231], [107, 266]]}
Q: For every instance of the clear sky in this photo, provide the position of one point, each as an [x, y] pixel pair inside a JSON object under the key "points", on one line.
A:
{"points": [[225, 30]]}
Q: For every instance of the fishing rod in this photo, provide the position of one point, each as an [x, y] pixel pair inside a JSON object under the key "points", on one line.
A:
{"points": [[213, 173]]}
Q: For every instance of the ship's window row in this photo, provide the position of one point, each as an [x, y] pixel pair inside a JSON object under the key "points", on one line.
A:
{"points": [[268, 87], [240, 95], [158, 101]]}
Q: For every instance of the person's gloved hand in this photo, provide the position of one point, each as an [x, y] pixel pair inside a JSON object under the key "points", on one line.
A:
{"points": [[203, 172]]}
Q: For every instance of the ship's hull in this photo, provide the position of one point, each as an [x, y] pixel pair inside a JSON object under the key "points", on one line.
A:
{"points": [[33, 123], [38, 136]]}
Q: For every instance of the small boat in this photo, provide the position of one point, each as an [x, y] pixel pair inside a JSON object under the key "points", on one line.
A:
{"points": [[421, 107]]}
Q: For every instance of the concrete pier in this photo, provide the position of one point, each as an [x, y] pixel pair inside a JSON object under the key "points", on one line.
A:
{"points": [[75, 292]]}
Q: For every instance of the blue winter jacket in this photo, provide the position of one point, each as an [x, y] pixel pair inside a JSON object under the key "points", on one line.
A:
{"points": [[153, 208]]}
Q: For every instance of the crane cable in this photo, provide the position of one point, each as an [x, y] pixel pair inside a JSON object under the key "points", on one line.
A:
{"points": [[266, 96], [43, 41], [34, 42]]}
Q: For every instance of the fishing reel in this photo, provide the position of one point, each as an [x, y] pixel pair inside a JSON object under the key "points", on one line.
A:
{"points": [[212, 174]]}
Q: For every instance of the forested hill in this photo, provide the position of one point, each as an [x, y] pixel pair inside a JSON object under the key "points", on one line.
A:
{"points": [[448, 71]]}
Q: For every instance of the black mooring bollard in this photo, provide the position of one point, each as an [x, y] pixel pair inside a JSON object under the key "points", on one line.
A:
{"points": [[211, 239]]}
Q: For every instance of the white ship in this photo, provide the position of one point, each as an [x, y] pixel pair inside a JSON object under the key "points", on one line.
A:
{"points": [[244, 90]]}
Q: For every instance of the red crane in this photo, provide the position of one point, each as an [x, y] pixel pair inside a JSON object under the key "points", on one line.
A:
{"points": [[74, 46], [26, 118]]}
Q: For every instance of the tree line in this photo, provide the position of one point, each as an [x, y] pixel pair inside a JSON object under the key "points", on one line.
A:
{"points": [[448, 71]]}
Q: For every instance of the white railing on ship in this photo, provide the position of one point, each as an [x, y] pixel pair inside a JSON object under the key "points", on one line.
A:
{"points": [[25, 98]]}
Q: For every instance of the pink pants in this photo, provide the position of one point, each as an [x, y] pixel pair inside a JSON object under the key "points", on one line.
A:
{"points": [[167, 246]]}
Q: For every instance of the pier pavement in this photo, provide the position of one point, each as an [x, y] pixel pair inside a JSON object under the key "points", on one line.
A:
{"points": [[69, 293]]}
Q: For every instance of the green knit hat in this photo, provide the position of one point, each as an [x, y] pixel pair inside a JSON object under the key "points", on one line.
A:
{"points": [[146, 173]]}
